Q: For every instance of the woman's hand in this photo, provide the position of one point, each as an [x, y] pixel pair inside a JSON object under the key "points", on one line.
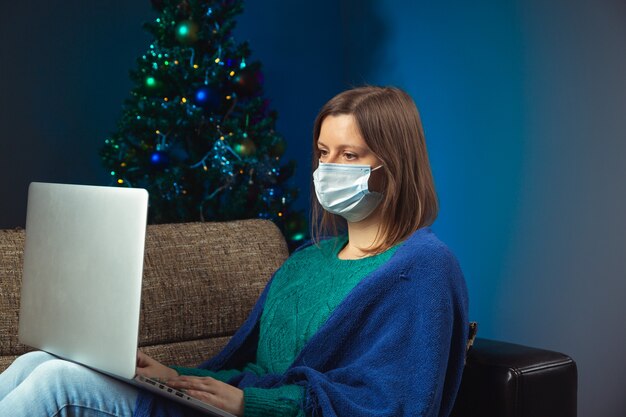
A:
{"points": [[150, 368], [212, 391]]}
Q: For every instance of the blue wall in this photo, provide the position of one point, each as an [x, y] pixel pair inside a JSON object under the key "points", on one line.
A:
{"points": [[523, 108]]}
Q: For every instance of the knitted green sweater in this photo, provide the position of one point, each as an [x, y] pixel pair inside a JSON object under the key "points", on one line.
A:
{"points": [[304, 292]]}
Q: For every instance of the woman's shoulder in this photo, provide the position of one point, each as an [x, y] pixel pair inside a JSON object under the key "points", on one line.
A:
{"points": [[426, 265], [424, 250], [425, 242]]}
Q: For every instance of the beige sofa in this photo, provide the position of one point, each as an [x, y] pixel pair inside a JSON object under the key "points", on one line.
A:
{"points": [[200, 282]]}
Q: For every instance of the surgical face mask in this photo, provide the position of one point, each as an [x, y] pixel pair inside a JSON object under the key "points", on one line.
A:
{"points": [[342, 189]]}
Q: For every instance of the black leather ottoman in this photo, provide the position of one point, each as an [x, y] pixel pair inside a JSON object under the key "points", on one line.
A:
{"points": [[508, 380]]}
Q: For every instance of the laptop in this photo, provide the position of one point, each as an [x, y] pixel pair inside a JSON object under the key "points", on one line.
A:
{"points": [[81, 288]]}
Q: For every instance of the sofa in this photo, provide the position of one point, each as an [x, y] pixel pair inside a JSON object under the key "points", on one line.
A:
{"points": [[202, 279]]}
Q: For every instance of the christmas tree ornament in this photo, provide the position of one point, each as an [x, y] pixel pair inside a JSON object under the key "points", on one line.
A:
{"points": [[245, 148], [187, 32], [207, 97], [247, 82], [150, 82], [159, 159]]}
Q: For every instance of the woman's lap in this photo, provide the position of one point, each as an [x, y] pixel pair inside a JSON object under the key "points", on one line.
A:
{"points": [[40, 384]]}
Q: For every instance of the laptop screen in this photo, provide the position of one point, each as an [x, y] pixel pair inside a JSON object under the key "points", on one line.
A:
{"points": [[83, 263]]}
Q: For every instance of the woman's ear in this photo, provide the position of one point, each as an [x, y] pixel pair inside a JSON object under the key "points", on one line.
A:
{"points": [[378, 180]]}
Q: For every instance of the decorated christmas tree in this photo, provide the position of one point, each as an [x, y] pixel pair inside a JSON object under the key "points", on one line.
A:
{"points": [[196, 131]]}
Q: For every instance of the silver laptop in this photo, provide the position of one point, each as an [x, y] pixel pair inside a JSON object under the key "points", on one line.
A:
{"points": [[81, 288]]}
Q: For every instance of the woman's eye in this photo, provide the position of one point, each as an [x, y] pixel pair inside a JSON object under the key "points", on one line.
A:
{"points": [[323, 152], [349, 156]]}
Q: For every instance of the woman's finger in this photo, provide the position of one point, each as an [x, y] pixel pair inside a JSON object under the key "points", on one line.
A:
{"points": [[194, 379], [200, 384]]}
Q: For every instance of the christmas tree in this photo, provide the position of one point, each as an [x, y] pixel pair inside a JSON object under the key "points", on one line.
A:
{"points": [[196, 131]]}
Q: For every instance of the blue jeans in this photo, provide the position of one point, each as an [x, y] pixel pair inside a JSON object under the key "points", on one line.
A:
{"points": [[38, 384]]}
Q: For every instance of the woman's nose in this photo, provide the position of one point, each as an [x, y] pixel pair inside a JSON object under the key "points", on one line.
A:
{"points": [[332, 158]]}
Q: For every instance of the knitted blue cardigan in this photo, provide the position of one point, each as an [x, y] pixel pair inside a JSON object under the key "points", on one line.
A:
{"points": [[394, 347]]}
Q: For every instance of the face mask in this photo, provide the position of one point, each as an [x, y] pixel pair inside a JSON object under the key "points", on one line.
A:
{"points": [[342, 189]]}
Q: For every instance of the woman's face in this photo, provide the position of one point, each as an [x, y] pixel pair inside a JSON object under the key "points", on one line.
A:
{"points": [[341, 143]]}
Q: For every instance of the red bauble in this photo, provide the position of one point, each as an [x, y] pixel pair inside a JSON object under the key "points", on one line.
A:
{"points": [[248, 82]]}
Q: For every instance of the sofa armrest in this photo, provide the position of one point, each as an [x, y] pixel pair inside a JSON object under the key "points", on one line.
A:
{"points": [[508, 380]]}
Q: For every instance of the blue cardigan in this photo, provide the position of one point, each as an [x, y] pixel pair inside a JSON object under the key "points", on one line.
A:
{"points": [[394, 347]]}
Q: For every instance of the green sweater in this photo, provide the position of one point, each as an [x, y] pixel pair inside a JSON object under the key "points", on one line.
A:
{"points": [[303, 294]]}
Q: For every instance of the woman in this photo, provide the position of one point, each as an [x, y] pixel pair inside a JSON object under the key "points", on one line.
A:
{"points": [[372, 322]]}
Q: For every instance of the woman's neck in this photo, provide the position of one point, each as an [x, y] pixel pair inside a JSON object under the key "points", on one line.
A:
{"points": [[362, 236]]}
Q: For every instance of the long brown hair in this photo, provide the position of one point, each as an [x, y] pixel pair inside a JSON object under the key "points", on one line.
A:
{"points": [[389, 122]]}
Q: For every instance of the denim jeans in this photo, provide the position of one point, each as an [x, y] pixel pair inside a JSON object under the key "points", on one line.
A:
{"points": [[38, 384]]}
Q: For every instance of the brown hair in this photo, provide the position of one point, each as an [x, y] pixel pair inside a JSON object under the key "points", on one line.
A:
{"points": [[389, 122]]}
